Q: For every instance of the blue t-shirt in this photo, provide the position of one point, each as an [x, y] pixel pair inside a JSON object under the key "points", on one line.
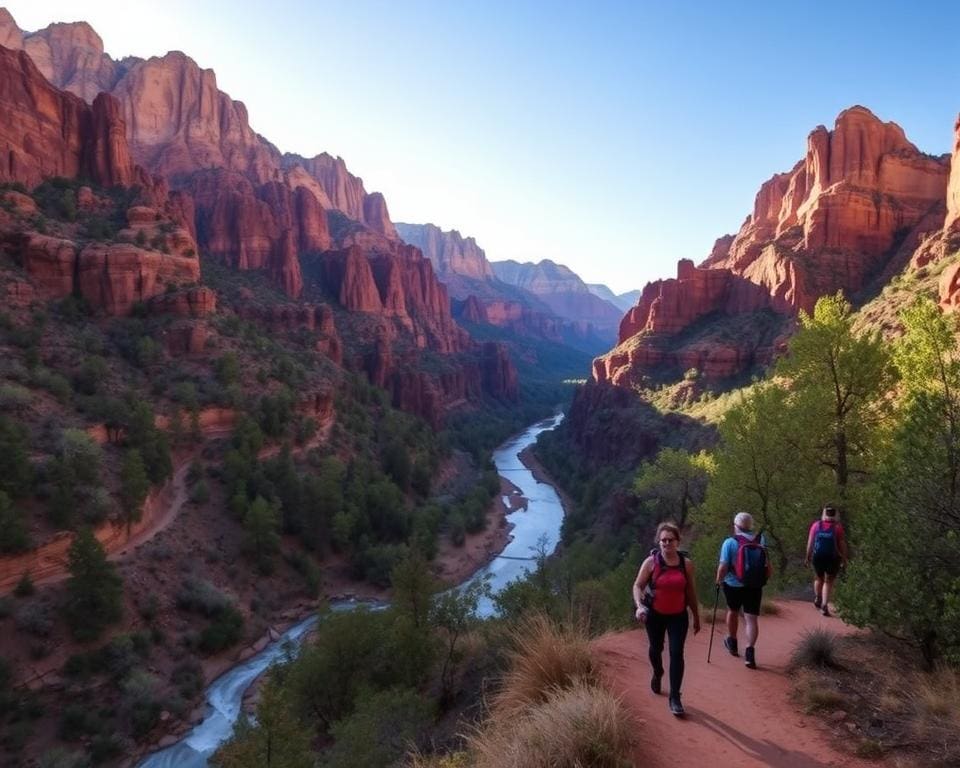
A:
{"points": [[728, 555]]}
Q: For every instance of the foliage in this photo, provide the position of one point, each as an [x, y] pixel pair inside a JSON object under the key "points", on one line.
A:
{"points": [[94, 590], [380, 730], [673, 484], [908, 535], [16, 474], [134, 485], [263, 540], [14, 536], [276, 740], [816, 648]]}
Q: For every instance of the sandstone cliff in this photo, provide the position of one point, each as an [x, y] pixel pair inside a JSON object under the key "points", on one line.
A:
{"points": [[853, 210], [452, 255]]}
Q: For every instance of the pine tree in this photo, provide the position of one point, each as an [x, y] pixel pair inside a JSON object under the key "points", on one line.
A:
{"points": [[94, 590], [263, 541], [134, 485]]}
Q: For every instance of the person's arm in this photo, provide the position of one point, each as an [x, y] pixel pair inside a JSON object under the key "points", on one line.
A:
{"points": [[692, 599], [722, 568], [810, 537], [639, 585]]}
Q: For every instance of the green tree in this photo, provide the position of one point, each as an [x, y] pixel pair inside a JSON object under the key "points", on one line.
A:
{"points": [[673, 484], [413, 587], [454, 614], [134, 485], [839, 380], [16, 474], [94, 590], [263, 540], [13, 531], [758, 469], [276, 740], [905, 579]]}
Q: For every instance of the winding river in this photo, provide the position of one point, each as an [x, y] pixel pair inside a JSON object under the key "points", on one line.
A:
{"points": [[539, 523]]}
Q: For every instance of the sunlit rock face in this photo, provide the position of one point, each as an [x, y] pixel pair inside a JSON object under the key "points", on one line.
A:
{"points": [[862, 199]]}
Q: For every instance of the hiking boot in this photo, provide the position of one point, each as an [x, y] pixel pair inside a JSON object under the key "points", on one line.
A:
{"points": [[730, 643], [655, 682], [826, 611], [749, 658], [816, 601], [675, 706]]}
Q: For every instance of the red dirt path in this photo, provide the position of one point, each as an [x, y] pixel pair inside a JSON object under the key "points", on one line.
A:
{"points": [[736, 717]]}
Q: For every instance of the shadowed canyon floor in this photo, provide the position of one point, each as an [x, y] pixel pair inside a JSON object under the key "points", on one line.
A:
{"points": [[735, 717]]}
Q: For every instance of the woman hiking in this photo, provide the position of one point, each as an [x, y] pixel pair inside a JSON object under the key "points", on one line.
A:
{"points": [[827, 551], [662, 592]]}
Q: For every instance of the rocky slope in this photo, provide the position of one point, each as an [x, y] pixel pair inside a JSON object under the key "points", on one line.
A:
{"points": [[164, 124], [852, 212], [480, 297]]}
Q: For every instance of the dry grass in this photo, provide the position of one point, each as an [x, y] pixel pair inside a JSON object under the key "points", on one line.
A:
{"points": [[581, 726], [823, 699], [770, 608], [934, 713], [545, 658], [456, 760], [816, 649]]}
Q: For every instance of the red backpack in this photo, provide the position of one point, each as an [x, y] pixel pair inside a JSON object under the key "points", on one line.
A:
{"points": [[750, 566]]}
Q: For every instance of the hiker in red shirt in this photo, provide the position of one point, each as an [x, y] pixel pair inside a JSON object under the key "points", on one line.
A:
{"points": [[827, 551], [662, 592]]}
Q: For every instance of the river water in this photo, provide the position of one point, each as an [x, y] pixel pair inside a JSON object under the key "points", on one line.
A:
{"points": [[538, 525]]}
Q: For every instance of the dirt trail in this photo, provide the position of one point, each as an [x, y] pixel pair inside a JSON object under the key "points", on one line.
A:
{"points": [[47, 563], [736, 717]]}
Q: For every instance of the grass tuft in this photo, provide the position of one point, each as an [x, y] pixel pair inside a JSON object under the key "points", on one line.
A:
{"points": [[816, 649], [545, 658], [582, 725], [934, 712]]}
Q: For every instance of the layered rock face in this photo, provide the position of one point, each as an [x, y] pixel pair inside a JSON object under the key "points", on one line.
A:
{"points": [[835, 219], [560, 289], [46, 132], [858, 204], [451, 254]]}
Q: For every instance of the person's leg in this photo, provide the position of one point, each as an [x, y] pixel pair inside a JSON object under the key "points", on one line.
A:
{"points": [[752, 629], [818, 589], [827, 589], [733, 598], [656, 627], [677, 627]]}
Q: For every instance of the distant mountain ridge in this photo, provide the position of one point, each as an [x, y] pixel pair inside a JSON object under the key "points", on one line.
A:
{"points": [[562, 290], [622, 301]]}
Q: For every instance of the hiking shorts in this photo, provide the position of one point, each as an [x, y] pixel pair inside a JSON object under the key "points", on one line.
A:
{"points": [[747, 598], [826, 567]]}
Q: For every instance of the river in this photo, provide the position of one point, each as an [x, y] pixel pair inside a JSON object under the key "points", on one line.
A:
{"points": [[539, 523]]}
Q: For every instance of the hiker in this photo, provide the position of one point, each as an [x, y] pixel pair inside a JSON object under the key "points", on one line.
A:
{"points": [[827, 552], [662, 592], [743, 570]]}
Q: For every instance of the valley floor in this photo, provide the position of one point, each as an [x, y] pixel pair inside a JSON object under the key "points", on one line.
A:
{"points": [[735, 717]]}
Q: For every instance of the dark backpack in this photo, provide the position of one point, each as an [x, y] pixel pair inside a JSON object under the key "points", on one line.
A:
{"points": [[750, 566], [825, 544]]}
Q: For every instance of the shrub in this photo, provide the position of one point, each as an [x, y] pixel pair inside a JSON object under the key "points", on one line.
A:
{"points": [[934, 712], [25, 587], [544, 657], [200, 596], [188, 677], [36, 619], [13, 397], [582, 725], [817, 648], [224, 631]]}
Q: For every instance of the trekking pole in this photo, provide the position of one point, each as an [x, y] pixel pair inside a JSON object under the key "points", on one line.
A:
{"points": [[713, 623]]}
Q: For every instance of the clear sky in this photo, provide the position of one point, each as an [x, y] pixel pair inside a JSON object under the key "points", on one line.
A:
{"points": [[612, 137]]}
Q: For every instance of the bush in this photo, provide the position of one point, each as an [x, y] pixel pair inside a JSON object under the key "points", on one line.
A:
{"points": [[545, 657], [816, 649], [36, 619], [25, 587], [200, 596], [582, 725], [225, 631]]}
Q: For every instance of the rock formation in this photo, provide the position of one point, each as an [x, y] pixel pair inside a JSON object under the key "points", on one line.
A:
{"points": [[451, 254], [856, 206]]}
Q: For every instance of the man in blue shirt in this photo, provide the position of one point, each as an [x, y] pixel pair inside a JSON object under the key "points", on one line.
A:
{"points": [[737, 595]]}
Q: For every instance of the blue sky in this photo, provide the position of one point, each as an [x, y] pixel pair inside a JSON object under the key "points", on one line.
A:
{"points": [[615, 138]]}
